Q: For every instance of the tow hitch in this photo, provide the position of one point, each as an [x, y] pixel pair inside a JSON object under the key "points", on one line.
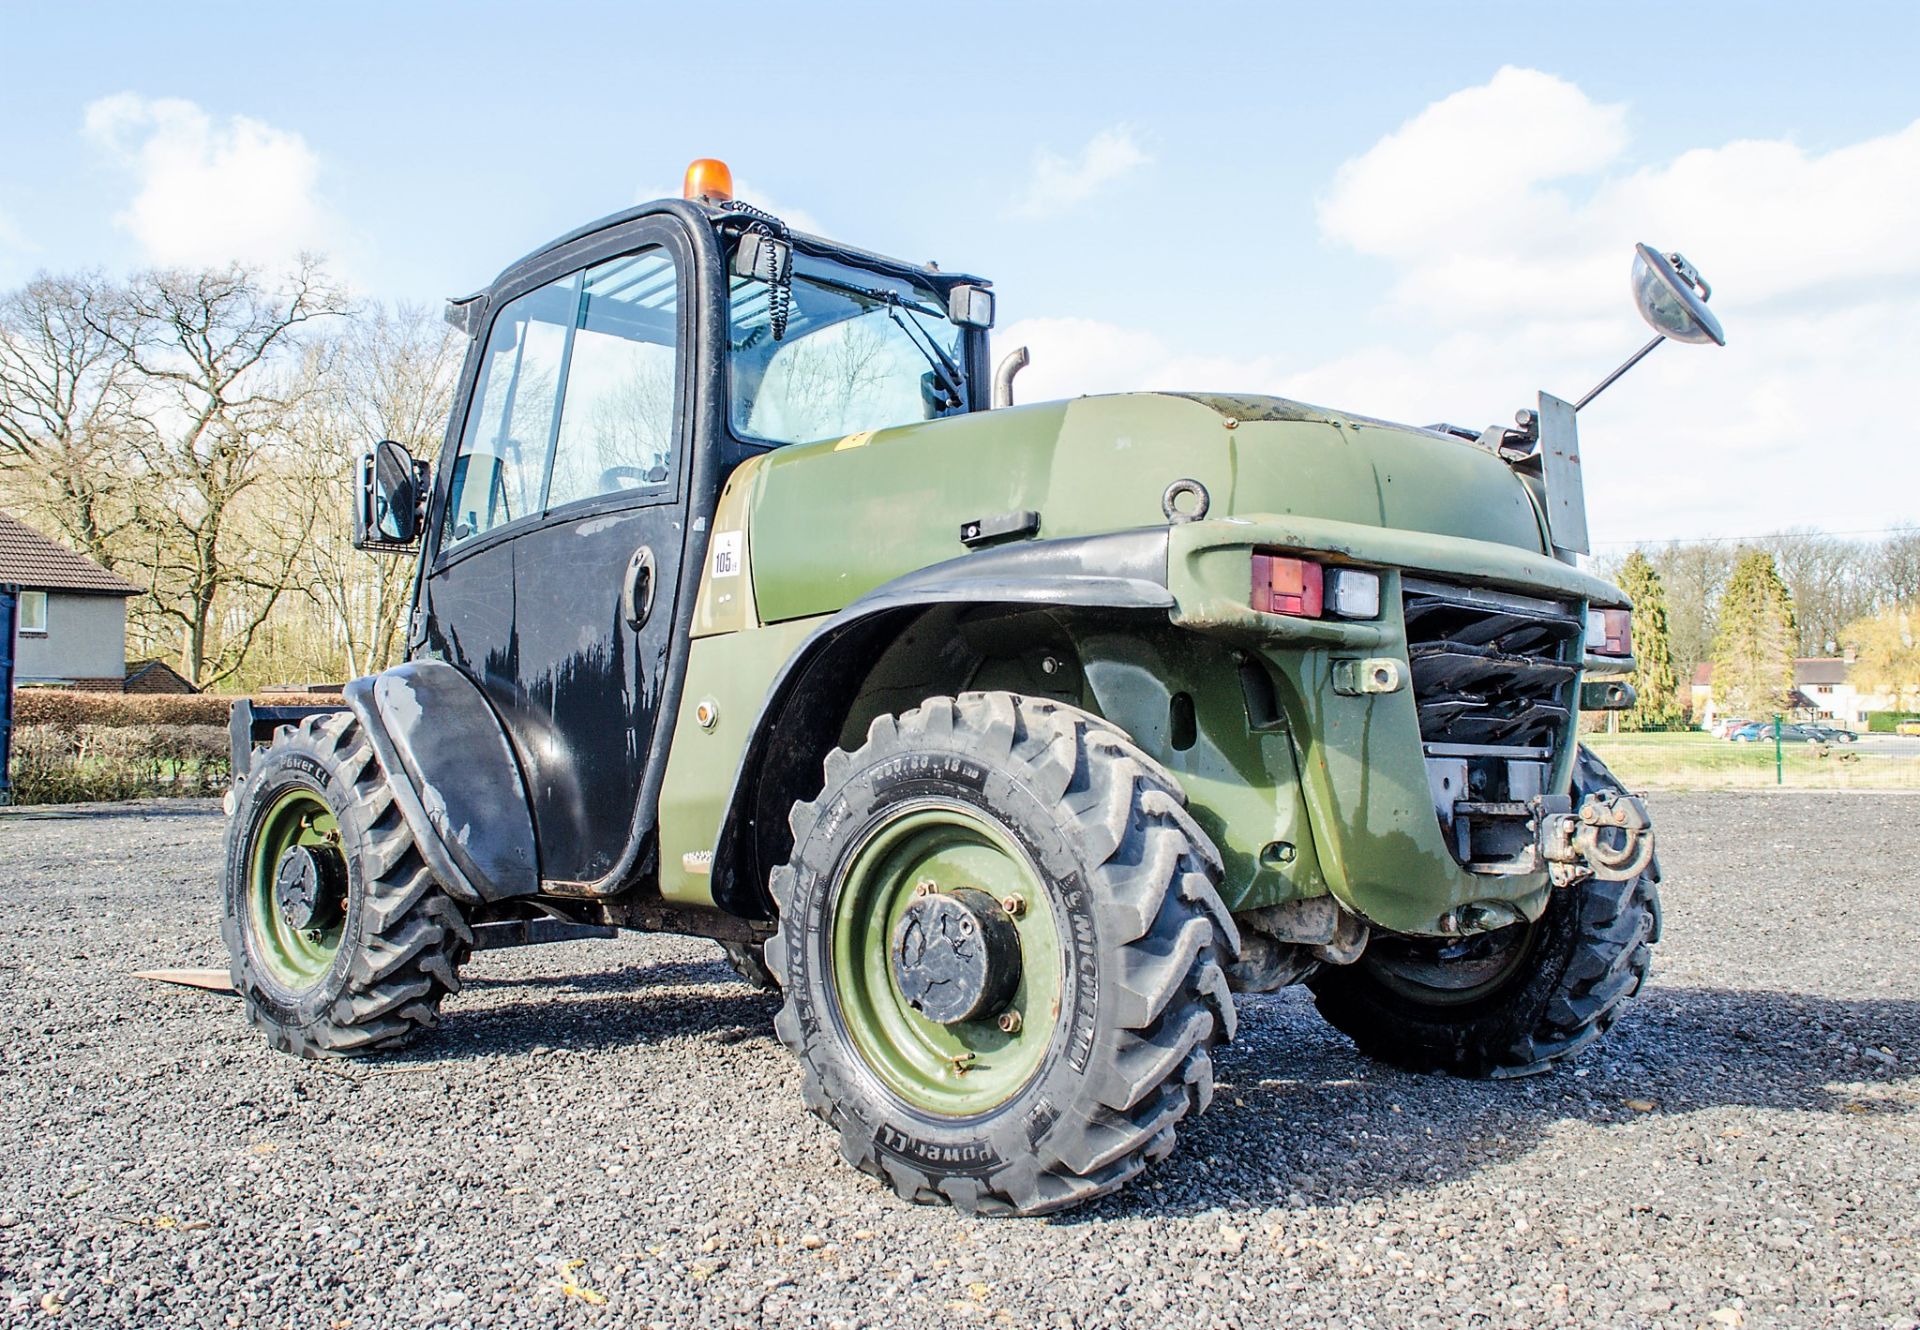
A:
{"points": [[1610, 837]]}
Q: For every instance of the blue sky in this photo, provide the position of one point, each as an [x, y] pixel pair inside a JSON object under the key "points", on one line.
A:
{"points": [[1417, 210]]}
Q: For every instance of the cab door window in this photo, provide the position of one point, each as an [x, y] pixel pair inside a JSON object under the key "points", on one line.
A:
{"points": [[501, 468], [617, 414], [576, 397]]}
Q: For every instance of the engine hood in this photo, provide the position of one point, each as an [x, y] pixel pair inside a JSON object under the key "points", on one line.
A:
{"points": [[831, 521], [1306, 461]]}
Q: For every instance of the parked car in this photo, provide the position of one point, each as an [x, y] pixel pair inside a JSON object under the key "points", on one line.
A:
{"points": [[1908, 727], [1726, 725], [1761, 731], [1832, 734]]}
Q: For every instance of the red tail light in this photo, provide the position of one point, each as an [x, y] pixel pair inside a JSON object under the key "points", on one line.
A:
{"points": [[1610, 632], [1288, 586]]}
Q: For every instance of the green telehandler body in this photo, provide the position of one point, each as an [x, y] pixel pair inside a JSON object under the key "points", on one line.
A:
{"points": [[1006, 742]]}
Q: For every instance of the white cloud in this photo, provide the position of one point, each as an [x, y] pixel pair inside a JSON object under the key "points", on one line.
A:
{"points": [[1059, 183], [209, 191], [1447, 177], [1505, 219], [1500, 199], [799, 219]]}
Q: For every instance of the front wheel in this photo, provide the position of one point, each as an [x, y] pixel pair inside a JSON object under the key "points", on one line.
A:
{"points": [[340, 939], [1509, 1002], [1001, 945]]}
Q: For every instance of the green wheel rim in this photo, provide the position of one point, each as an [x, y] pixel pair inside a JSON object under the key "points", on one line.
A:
{"points": [[296, 958], [974, 1066]]}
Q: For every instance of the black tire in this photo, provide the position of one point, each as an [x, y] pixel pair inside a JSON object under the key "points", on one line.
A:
{"points": [[1132, 881], [1556, 988], [749, 961], [402, 938]]}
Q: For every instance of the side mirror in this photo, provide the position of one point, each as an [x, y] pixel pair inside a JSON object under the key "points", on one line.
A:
{"points": [[1672, 297], [390, 498]]}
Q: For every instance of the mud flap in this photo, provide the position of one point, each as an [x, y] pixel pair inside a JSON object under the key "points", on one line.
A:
{"points": [[454, 776]]}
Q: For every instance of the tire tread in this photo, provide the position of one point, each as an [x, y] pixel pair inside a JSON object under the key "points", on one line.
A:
{"points": [[1157, 872], [413, 937]]}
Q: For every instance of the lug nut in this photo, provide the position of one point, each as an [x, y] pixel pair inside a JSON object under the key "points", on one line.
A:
{"points": [[1014, 905], [1009, 1022]]}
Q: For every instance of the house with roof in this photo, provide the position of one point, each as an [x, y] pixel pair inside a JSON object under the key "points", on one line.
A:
{"points": [[1823, 690], [71, 629]]}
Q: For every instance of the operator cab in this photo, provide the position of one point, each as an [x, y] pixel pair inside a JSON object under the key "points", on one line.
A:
{"points": [[614, 379]]}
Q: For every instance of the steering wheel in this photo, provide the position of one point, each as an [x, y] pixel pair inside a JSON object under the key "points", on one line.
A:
{"points": [[631, 477]]}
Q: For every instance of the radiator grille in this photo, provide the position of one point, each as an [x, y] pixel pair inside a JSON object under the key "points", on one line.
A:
{"points": [[1490, 670]]}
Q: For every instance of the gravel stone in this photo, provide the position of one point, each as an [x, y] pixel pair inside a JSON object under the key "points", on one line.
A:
{"points": [[607, 1133]]}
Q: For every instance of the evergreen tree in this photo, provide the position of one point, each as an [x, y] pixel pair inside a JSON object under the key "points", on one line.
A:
{"points": [[1657, 706], [1753, 649]]}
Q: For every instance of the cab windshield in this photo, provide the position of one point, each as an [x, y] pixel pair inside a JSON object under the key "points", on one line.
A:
{"points": [[861, 351]]}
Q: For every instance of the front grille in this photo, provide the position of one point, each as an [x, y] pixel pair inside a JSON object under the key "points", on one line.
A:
{"points": [[1490, 670]]}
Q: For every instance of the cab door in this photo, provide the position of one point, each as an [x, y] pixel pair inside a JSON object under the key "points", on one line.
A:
{"points": [[557, 567]]}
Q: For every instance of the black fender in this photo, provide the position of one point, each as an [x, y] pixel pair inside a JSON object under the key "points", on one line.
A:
{"points": [[1122, 570], [454, 777]]}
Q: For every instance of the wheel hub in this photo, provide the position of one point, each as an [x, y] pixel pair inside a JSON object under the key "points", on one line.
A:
{"points": [[1452, 971], [309, 885], [956, 955]]}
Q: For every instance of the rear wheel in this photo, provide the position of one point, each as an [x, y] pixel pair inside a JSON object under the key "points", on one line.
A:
{"points": [[1001, 943], [1509, 1002], [340, 940]]}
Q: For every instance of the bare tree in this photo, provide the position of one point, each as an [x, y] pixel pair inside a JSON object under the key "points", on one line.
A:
{"points": [[1830, 581], [67, 409], [211, 352], [388, 375], [1897, 570]]}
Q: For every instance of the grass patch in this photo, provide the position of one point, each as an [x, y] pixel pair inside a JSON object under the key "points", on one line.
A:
{"points": [[1697, 761], [60, 764]]}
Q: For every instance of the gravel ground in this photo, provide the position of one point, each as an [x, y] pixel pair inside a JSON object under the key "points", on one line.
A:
{"points": [[608, 1134]]}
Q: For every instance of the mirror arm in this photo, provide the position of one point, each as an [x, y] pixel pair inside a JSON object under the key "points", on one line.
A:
{"points": [[1608, 382]]}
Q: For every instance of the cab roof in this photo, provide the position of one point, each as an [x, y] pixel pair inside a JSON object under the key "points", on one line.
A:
{"points": [[692, 212]]}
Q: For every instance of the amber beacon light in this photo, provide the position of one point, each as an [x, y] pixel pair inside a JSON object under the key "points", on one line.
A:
{"points": [[708, 181]]}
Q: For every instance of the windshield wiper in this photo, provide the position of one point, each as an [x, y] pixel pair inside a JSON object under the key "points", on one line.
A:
{"points": [[874, 294], [950, 374], [945, 369]]}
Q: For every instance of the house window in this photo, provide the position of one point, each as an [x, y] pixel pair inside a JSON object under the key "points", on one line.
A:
{"points": [[33, 612]]}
